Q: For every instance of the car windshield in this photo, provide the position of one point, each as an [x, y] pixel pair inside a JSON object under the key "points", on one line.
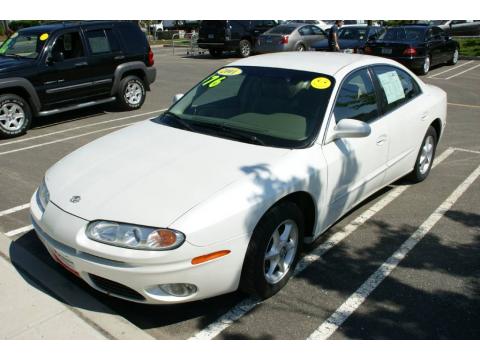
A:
{"points": [[403, 34], [352, 33], [268, 106], [25, 45], [282, 30], [438, 22]]}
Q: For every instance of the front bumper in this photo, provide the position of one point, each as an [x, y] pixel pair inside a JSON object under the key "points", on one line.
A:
{"points": [[134, 274]]}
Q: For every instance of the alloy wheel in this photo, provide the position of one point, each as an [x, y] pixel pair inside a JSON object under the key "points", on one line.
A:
{"points": [[133, 93], [426, 155], [12, 116]]}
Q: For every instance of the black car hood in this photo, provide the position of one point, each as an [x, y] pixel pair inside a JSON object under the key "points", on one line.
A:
{"points": [[8, 63], [344, 44]]}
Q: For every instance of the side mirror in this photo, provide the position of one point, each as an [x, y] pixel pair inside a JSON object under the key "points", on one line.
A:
{"points": [[176, 98], [349, 128]]}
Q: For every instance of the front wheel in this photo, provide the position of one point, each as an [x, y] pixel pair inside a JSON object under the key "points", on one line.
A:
{"points": [[273, 251], [132, 93], [425, 157], [15, 116], [244, 48]]}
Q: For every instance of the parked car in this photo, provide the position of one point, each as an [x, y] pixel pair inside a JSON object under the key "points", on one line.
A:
{"points": [[59, 67], [241, 36], [459, 27], [241, 174], [419, 47], [320, 23], [289, 37], [352, 38]]}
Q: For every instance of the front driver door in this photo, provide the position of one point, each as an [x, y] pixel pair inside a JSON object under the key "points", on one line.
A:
{"points": [[356, 166]]}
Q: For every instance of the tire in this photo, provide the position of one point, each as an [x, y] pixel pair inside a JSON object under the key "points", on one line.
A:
{"points": [[244, 48], [454, 58], [426, 66], [216, 53], [300, 47], [131, 94], [422, 169], [255, 278], [15, 116]]}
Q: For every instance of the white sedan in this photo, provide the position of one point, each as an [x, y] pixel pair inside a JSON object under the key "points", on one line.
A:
{"points": [[252, 165]]}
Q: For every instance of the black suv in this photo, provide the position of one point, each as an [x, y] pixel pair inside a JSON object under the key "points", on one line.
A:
{"points": [[59, 67], [240, 35]]}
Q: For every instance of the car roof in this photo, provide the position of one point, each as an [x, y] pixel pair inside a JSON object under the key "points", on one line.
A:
{"points": [[49, 27], [329, 63]]}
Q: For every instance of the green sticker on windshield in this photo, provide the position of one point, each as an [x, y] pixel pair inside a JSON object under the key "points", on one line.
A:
{"points": [[213, 81]]}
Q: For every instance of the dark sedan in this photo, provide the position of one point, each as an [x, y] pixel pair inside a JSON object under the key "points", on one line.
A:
{"points": [[418, 47], [352, 38]]}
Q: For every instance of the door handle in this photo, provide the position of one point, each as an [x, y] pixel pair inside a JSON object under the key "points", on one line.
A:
{"points": [[382, 139], [80, 64], [424, 116], [119, 57]]}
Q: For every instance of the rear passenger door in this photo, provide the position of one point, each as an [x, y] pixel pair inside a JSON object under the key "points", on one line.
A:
{"points": [[401, 101], [105, 55]]}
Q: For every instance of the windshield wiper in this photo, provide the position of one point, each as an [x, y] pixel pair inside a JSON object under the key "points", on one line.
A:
{"points": [[179, 120], [233, 132]]}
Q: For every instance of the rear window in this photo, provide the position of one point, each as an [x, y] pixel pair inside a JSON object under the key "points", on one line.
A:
{"points": [[282, 30], [403, 34], [132, 37]]}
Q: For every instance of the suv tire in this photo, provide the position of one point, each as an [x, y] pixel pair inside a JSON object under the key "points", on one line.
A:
{"points": [[131, 95], [15, 116], [244, 48]]}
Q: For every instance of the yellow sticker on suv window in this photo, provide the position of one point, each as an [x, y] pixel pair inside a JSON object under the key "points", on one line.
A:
{"points": [[321, 83], [229, 71], [44, 37]]}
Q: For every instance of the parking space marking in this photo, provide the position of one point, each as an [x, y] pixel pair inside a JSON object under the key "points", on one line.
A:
{"points": [[18, 231], [465, 105], [80, 127], [452, 68], [468, 150], [65, 139], [245, 306], [14, 209], [462, 72], [328, 327]]}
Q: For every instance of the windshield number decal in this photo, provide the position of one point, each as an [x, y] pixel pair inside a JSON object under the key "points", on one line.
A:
{"points": [[213, 81]]}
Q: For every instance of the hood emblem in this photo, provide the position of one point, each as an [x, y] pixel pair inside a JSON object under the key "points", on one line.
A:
{"points": [[75, 199]]}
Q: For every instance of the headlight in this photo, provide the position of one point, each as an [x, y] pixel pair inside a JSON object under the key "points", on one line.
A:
{"points": [[134, 236], [43, 196]]}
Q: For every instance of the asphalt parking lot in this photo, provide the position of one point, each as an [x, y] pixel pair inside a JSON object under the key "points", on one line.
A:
{"points": [[403, 265]]}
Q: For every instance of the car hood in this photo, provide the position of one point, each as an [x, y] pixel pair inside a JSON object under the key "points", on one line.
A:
{"points": [[11, 63], [150, 174]]}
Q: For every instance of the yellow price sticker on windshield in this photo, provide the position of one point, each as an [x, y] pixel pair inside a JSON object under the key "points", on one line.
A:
{"points": [[321, 83], [44, 37], [229, 71]]}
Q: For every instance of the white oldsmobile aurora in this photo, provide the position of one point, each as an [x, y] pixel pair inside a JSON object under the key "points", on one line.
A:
{"points": [[243, 172]]}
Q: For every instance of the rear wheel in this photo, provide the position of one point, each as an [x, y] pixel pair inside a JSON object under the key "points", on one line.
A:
{"points": [[15, 116], [216, 53], [244, 48], [426, 65], [273, 251], [454, 58], [132, 93], [300, 47], [425, 157]]}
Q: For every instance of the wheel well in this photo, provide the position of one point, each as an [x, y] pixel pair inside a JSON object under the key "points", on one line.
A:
{"points": [[20, 92], [306, 204], [136, 72], [437, 125], [247, 38]]}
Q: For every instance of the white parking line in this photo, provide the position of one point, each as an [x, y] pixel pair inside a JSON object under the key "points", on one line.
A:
{"points": [[462, 72], [452, 68], [242, 308], [19, 231], [65, 139], [330, 325], [465, 105], [468, 150], [79, 127], [14, 209]]}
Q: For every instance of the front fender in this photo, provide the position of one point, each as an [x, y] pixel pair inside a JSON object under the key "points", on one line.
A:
{"points": [[17, 82]]}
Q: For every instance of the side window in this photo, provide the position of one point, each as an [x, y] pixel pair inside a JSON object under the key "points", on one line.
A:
{"points": [[316, 30], [305, 31], [357, 98], [98, 42], [70, 44], [397, 86], [112, 40]]}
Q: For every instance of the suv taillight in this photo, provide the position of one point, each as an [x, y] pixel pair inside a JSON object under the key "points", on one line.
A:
{"points": [[284, 39], [410, 51], [151, 61]]}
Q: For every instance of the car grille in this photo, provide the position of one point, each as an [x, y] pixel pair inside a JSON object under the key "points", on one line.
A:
{"points": [[115, 288]]}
